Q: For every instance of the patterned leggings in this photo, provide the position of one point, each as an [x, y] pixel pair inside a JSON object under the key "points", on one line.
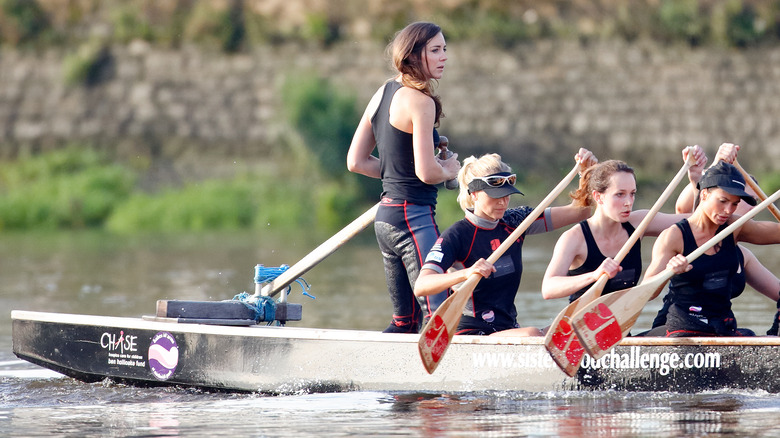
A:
{"points": [[405, 233]]}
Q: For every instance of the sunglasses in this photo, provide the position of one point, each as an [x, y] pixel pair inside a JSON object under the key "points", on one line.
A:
{"points": [[498, 180]]}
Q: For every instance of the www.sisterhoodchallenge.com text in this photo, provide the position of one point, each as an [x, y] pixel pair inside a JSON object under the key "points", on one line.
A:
{"points": [[634, 359]]}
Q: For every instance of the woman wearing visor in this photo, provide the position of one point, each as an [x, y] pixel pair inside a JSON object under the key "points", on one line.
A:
{"points": [[485, 186]]}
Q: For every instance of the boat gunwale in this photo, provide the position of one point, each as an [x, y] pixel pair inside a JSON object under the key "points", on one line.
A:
{"points": [[265, 331]]}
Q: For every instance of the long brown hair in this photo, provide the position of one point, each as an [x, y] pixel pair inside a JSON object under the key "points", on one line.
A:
{"points": [[406, 51], [597, 178]]}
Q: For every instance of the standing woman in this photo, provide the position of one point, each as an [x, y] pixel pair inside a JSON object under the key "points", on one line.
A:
{"points": [[399, 121], [587, 250], [485, 186], [700, 293]]}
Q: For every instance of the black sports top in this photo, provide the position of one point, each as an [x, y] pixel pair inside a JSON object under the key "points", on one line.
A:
{"points": [[472, 238], [396, 156], [715, 279], [632, 263]]}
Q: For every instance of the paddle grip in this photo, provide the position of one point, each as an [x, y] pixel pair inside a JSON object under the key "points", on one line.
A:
{"points": [[445, 153]]}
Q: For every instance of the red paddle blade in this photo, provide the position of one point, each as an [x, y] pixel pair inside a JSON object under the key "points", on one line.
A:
{"points": [[433, 343], [598, 330], [565, 348]]}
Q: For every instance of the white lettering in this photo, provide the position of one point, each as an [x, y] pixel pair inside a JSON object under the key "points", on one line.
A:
{"points": [[636, 359], [121, 343]]}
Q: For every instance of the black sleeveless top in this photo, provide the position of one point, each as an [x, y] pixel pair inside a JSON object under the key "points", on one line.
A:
{"points": [[714, 281], [396, 156], [632, 263]]}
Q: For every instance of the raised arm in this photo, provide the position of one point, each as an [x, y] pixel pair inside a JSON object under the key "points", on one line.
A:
{"points": [[570, 214], [685, 200], [727, 152]]}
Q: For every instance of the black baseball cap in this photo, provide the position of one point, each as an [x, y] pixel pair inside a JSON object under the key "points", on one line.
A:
{"points": [[726, 177]]}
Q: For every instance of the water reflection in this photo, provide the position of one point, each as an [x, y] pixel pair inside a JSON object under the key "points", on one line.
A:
{"points": [[67, 407], [607, 414]]}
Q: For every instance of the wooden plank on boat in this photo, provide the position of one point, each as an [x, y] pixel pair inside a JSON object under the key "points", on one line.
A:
{"points": [[209, 312], [204, 309]]}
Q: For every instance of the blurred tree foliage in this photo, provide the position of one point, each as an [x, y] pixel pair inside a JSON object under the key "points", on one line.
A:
{"points": [[236, 25], [326, 118]]}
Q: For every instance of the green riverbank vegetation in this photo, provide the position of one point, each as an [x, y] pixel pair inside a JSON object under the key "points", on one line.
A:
{"points": [[77, 188], [88, 28], [238, 25], [304, 186]]}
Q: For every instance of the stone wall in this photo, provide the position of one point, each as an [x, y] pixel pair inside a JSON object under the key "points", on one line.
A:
{"points": [[534, 104]]}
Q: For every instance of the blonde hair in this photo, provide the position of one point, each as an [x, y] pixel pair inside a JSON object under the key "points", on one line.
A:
{"points": [[485, 165], [406, 52], [596, 178]]}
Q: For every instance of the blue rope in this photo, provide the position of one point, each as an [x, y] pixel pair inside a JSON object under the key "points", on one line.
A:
{"points": [[264, 308], [265, 274]]}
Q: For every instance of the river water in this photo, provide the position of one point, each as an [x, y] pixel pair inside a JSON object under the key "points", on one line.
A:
{"points": [[100, 274]]}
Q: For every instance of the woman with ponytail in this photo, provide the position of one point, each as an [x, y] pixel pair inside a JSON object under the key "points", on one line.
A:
{"points": [[399, 122], [485, 186], [585, 252]]}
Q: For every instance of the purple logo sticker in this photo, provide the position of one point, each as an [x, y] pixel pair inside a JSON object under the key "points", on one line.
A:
{"points": [[163, 355]]}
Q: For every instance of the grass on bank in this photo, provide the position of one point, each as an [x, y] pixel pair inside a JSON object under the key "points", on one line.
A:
{"points": [[76, 188]]}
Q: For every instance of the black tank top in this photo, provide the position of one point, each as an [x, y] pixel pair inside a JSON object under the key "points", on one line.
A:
{"points": [[396, 156], [715, 279], [632, 263]]}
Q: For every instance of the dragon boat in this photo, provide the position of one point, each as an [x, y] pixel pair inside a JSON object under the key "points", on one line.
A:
{"points": [[245, 344], [219, 355]]}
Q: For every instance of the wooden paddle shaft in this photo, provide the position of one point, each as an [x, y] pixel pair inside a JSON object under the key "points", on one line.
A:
{"points": [[753, 185], [318, 254], [640, 230]]}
